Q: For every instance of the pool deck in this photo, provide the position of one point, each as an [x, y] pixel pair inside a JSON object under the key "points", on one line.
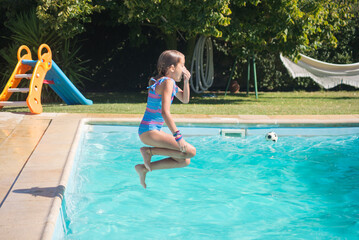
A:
{"points": [[36, 153]]}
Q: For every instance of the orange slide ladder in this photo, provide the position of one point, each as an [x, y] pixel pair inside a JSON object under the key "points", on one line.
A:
{"points": [[43, 64]]}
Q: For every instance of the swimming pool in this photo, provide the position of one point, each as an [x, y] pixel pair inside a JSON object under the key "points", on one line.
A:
{"points": [[305, 186]]}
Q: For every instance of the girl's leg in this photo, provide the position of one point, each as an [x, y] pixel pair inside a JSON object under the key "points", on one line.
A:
{"points": [[163, 144], [166, 163], [148, 152]]}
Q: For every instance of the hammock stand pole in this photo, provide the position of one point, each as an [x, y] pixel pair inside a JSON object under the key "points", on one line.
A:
{"points": [[252, 60]]}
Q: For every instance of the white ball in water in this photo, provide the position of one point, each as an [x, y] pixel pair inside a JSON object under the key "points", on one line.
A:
{"points": [[271, 136]]}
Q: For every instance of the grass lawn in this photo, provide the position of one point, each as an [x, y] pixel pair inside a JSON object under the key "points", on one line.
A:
{"points": [[269, 103]]}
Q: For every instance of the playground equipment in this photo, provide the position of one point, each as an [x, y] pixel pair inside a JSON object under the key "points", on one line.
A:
{"points": [[43, 68]]}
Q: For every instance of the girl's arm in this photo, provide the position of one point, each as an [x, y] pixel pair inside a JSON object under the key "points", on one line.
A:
{"points": [[166, 105], [183, 95], [166, 113]]}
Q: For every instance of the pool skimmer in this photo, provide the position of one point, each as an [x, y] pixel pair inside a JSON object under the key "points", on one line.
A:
{"points": [[234, 132]]}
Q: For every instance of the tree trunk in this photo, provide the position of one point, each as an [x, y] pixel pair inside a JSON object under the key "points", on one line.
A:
{"points": [[191, 43], [171, 41]]}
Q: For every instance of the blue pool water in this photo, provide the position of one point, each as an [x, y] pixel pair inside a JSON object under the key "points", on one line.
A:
{"points": [[304, 186]]}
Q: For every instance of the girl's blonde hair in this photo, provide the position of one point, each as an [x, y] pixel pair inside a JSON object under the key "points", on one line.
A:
{"points": [[165, 61]]}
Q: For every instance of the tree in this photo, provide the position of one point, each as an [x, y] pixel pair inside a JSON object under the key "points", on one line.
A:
{"points": [[285, 26], [66, 16], [26, 29], [248, 26], [347, 47], [175, 21], [240, 27], [177, 17], [170, 20]]}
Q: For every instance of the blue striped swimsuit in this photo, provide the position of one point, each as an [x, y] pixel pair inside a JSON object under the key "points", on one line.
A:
{"points": [[152, 119]]}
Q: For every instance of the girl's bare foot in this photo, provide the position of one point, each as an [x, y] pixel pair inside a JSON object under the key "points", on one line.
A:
{"points": [[146, 154], [141, 171]]}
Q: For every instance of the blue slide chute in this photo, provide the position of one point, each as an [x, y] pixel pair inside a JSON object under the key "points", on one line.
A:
{"points": [[64, 87]]}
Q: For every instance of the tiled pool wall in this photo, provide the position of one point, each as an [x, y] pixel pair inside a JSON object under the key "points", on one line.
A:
{"points": [[191, 129], [60, 229]]}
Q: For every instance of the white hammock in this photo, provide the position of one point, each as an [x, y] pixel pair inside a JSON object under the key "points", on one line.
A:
{"points": [[325, 74]]}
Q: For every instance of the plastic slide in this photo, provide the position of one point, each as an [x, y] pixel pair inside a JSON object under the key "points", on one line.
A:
{"points": [[64, 87], [44, 71]]}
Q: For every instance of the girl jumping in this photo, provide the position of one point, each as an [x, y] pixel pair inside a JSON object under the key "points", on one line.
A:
{"points": [[161, 92]]}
